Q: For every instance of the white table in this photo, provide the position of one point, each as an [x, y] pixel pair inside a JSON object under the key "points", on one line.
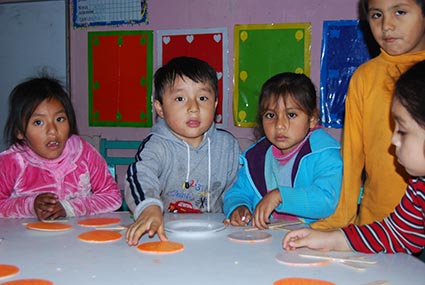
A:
{"points": [[61, 258]]}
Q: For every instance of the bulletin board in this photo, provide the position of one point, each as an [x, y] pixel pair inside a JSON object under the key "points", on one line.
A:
{"points": [[210, 45], [33, 41], [87, 13], [120, 78], [346, 44], [262, 51]]}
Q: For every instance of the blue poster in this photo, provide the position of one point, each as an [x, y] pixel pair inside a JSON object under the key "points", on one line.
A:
{"points": [[346, 44]]}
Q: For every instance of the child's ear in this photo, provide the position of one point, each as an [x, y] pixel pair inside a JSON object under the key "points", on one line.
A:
{"points": [[314, 119], [158, 108], [20, 136]]}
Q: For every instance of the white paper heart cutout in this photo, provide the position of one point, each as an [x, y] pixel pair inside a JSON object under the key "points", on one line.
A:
{"points": [[217, 38], [189, 38], [166, 40], [218, 118]]}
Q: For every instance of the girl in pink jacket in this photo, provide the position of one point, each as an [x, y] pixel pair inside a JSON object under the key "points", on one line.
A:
{"points": [[48, 171]]}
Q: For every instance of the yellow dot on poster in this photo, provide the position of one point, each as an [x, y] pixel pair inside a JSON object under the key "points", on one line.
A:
{"points": [[244, 36], [243, 75], [242, 115], [299, 35], [299, 70]]}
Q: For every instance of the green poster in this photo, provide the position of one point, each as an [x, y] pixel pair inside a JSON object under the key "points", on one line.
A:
{"points": [[262, 51]]}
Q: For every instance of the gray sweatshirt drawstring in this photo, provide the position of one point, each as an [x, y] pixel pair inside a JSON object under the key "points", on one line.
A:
{"points": [[186, 183]]}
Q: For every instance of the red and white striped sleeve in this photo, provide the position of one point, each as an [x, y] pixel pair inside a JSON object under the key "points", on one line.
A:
{"points": [[402, 231]]}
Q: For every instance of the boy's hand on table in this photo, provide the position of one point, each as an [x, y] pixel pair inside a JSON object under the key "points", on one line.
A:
{"points": [[150, 221]]}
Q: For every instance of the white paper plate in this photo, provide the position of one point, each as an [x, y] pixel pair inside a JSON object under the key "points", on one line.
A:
{"points": [[293, 258], [250, 236], [193, 228]]}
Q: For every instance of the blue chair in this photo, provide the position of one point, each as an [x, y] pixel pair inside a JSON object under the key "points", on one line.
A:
{"points": [[114, 160]]}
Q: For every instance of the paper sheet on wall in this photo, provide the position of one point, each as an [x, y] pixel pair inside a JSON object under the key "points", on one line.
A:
{"points": [[262, 51], [345, 45], [108, 12], [210, 45], [120, 78]]}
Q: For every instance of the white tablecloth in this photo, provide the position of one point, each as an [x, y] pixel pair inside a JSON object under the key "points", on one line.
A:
{"points": [[211, 259]]}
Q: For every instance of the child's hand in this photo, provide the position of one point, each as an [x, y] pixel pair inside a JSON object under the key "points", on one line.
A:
{"points": [[265, 207], [150, 221], [47, 206], [241, 216], [314, 239]]}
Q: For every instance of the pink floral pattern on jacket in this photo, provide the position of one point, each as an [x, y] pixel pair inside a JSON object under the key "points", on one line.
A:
{"points": [[80, 177]]}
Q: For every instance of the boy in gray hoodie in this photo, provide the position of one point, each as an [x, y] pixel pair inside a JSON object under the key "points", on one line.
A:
{"points": [[185, 164]]}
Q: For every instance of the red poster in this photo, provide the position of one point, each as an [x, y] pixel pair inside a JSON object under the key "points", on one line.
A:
{"points": [[209, 45], [120, 78]]}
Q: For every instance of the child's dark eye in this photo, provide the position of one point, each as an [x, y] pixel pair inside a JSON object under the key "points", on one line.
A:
{"points": [[375, 15], [269, 115], [37, 123], [292, 115], [400, 13], [179, 99], [203, 98], [61, 119]]}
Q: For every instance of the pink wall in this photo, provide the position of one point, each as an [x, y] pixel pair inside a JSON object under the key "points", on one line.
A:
{"points": [[187, 14]]}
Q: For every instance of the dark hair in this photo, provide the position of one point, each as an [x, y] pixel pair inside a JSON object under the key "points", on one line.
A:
{"points": [[25, 98], [286, 85], [410, 92], [365, 6], [195, 69]]}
